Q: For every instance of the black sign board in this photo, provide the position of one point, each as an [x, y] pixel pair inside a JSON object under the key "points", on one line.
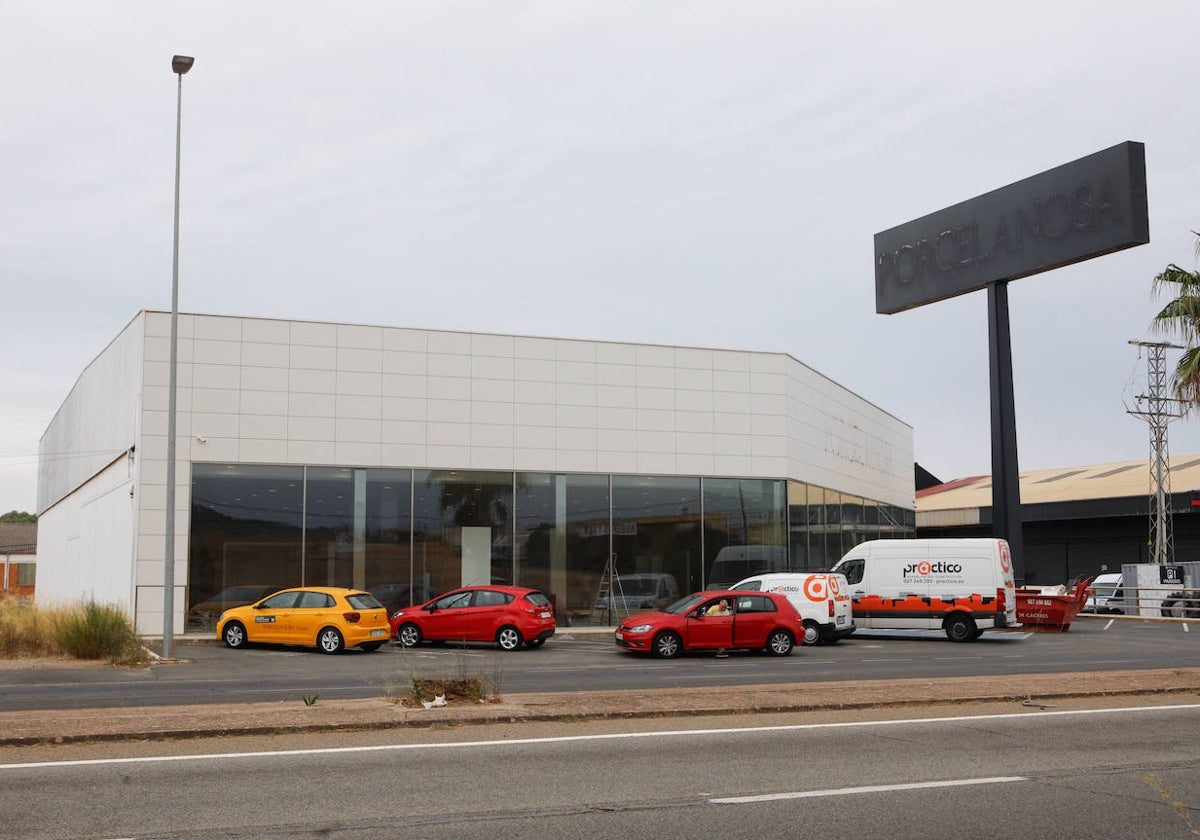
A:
{"points": [[1170, 575], [1083, 209]]}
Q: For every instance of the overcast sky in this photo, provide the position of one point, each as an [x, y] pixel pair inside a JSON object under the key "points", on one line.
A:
{"points": [[682, 172]]}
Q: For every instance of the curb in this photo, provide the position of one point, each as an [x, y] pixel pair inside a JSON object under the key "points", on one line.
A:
{"points": [[292, 717]]}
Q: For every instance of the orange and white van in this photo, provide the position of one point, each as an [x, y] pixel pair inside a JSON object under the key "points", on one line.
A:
{"points": [[962, 586], [821, 598]]}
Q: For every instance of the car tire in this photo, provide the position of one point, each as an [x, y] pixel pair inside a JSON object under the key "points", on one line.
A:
{"points": [[960, 628], [329, 640], [371, 647], [234, 635], [667, 645], [409, 635], [780, 643], [508, 637], [812, 633]]}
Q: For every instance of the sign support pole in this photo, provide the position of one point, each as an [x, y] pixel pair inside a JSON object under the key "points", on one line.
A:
{"points": [[1006, 479]]}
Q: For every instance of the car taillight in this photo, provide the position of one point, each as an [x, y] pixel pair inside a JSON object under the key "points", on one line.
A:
{"points": [[352, 617], [831, 608], [1000, 599]]}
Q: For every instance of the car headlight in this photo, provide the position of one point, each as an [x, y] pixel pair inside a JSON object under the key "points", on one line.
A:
{"points": [[397, 613], [640, 628]]}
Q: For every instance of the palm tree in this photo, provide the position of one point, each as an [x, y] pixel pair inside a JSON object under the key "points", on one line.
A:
{"points": [[1181, 318]]}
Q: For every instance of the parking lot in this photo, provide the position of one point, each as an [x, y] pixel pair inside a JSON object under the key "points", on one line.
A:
{"points": [[589, 661]]}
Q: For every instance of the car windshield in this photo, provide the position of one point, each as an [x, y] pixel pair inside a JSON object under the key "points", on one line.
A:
{"points": [[683, 604]]}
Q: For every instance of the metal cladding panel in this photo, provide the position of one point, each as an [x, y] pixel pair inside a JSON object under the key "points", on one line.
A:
{"points": [[1082, 209]]}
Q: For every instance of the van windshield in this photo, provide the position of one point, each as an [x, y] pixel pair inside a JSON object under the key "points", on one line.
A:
{"points": [[638, 586]]}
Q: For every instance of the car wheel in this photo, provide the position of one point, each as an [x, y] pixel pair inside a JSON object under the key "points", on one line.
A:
{"points": [[536, 643], [960, 628], [1172, 606], [667, 645], [508, 638], [409, 635], [371, 647], [234, 635], [330, 640], [780, 643], [812, 633]]}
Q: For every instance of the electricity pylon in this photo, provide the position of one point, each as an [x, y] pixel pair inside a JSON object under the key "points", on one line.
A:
{"points": [[1158, 410]]}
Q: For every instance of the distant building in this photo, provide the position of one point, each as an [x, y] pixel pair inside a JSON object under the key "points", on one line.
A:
{"points": [[417, 460], [18, 558], [1076, 520]]}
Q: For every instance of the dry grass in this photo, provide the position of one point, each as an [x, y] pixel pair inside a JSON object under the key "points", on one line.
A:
{"points": [[78, 631]]}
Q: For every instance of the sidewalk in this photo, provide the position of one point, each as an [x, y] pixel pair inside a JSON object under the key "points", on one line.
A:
{"points": [[165, 722]]}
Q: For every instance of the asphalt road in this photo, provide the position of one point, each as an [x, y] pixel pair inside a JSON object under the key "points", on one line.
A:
{"points": [[1081, 773], [210, 673]]}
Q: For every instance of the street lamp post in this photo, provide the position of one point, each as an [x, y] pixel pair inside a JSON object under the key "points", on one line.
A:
{"points": [[180, 64]]}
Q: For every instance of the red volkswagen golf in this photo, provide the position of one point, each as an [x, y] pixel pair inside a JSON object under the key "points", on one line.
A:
{"points": [[715, 620], [507, 615]]}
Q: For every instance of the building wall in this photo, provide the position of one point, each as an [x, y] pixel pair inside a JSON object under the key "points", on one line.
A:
{"points": [[86, 542], [260, 391], [87, 473]]}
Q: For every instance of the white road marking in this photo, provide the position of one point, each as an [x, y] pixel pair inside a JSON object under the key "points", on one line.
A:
{"points": [[813, 794], [612, 736]]}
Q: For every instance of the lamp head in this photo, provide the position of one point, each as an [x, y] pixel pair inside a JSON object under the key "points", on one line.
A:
{"points": [[181, 64]]}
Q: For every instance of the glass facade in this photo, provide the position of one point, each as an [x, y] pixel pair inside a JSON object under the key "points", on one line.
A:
{"points": [[599, 546]]}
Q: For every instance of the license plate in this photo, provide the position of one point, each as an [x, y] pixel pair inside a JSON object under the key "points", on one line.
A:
{"points": [[841, 619], [378, 632], [619, 636], [545, 615]]}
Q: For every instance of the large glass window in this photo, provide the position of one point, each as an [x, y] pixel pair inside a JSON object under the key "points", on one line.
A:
{"points": [[744, 522], [562, 525], [329, 528], [388, 536], [408, 535], [462, 527], [656, 531], [246, 530]]}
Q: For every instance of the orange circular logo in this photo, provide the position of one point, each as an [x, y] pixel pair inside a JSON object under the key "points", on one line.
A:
{"points": [[923, 568], [835, 588], [1005, 557], [814, 588]]}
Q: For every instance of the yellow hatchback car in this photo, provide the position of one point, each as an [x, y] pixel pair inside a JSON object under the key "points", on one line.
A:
{"points": [[327, 617]]}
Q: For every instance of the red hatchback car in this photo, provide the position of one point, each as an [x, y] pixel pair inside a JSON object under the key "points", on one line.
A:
{"points": [[715, 620], [507, 615]]}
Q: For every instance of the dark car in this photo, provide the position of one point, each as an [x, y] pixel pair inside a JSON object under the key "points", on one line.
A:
{"points": [[715, 620], [507, 615], [397, 596], [205, 614]]}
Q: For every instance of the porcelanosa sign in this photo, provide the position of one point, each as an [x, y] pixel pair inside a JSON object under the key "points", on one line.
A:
{"points": [[1083, 209]]}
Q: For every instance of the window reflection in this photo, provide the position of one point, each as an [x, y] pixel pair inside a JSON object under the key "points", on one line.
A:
{"points": [[408, 535], [246, 530], [562, 539]]}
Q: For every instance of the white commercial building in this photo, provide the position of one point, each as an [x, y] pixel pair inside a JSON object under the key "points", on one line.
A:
{"points": [[415, 460]]}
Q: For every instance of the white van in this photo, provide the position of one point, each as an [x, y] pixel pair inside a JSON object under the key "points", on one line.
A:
{"points": [[1106, 595], [821, 598], [963, 586], [642, 591], [737, 562]]}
